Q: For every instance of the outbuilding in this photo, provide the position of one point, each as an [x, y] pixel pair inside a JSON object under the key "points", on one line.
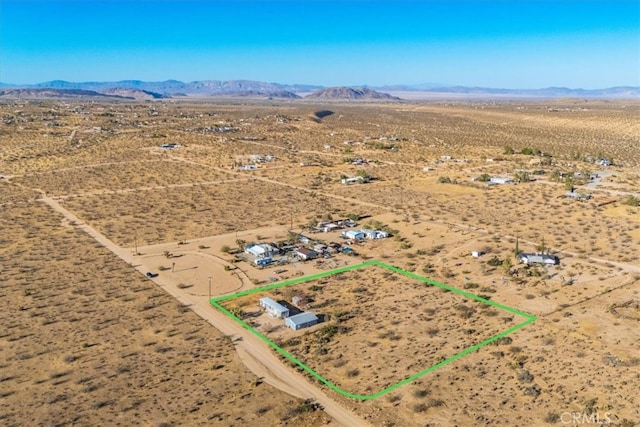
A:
{"points": [[500, 180], [374, 234], [545, 259], [302, 320], [353, 235], [263, 261], [274, 308], [261, 250], [306, 253]]}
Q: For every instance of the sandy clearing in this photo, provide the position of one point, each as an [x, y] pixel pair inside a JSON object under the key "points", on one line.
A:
{"points": [[255, 353]]}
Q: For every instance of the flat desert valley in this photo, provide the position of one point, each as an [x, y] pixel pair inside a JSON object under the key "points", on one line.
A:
{"points": [[120, 223]]}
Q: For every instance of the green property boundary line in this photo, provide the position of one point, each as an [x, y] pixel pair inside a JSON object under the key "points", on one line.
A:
{"points": [[216, 303]]}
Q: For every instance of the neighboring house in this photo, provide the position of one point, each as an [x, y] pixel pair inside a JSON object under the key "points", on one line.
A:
{"points": [[303, 239], [500, 180], [353, 234], [274, 308], [330, 227], [302, 320], [319, 248], [353, 180], [374, 234], [170, 146], [263, 261], [545, 259], [259, 250], [306, 253], [579, 196]]}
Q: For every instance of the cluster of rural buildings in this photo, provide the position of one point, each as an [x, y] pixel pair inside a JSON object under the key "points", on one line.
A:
{"points": [[254, 159], [538, 258], [279, 310], [305, 249]]}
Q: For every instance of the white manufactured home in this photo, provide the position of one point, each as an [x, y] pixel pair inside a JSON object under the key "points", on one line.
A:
{"points": [[274, 308]]}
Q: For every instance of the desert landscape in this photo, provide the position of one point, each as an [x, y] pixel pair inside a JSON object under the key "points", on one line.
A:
{"points": [[121, 219]]}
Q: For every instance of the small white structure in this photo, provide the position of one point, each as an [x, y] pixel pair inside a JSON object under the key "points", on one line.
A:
{"points": [[374, 234], [353, 235], [274, 308], [477, 254], [330, 227], [249, 167], [302, 320], [545, 259], [260, 250], [353, 180], [578, 196], [500, 180]]}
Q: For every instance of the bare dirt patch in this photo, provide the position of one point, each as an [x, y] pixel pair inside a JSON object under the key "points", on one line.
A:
{"points": [[370, 314]]}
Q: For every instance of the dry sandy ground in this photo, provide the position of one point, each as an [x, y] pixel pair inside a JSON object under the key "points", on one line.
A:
{"points": [[88, 341], [581, 354]]}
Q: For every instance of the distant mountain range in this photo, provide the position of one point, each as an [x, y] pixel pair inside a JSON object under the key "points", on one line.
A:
{"points": [[550, 92], [350, 93], [141, 90]]}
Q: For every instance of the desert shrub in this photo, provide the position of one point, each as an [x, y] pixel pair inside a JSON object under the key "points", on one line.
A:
{"points": [[444, 180], [421, 393], [236, 311], [420, 407], [551, 418], [428, 269], [503, 341], [394, 398], [225, 249], [353, 373], [465, 311], [530, 151], [291, 342], [525, 376], [263, 410], [631, 200], [533, 391], [495, 261]]}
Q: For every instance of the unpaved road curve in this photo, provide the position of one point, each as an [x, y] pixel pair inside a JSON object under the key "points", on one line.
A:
{"points": [[254, 353]]}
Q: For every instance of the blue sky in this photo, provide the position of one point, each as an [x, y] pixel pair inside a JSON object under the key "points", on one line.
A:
{"points": [[493, 43]]}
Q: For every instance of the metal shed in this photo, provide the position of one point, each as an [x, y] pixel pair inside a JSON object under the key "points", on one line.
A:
{"points": [[302, 320]]}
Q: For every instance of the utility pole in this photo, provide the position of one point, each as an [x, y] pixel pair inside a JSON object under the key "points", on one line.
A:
{"points": [[135, 240]]}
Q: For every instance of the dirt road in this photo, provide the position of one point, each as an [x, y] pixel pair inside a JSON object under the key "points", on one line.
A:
{"points": [[254, 353]]}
